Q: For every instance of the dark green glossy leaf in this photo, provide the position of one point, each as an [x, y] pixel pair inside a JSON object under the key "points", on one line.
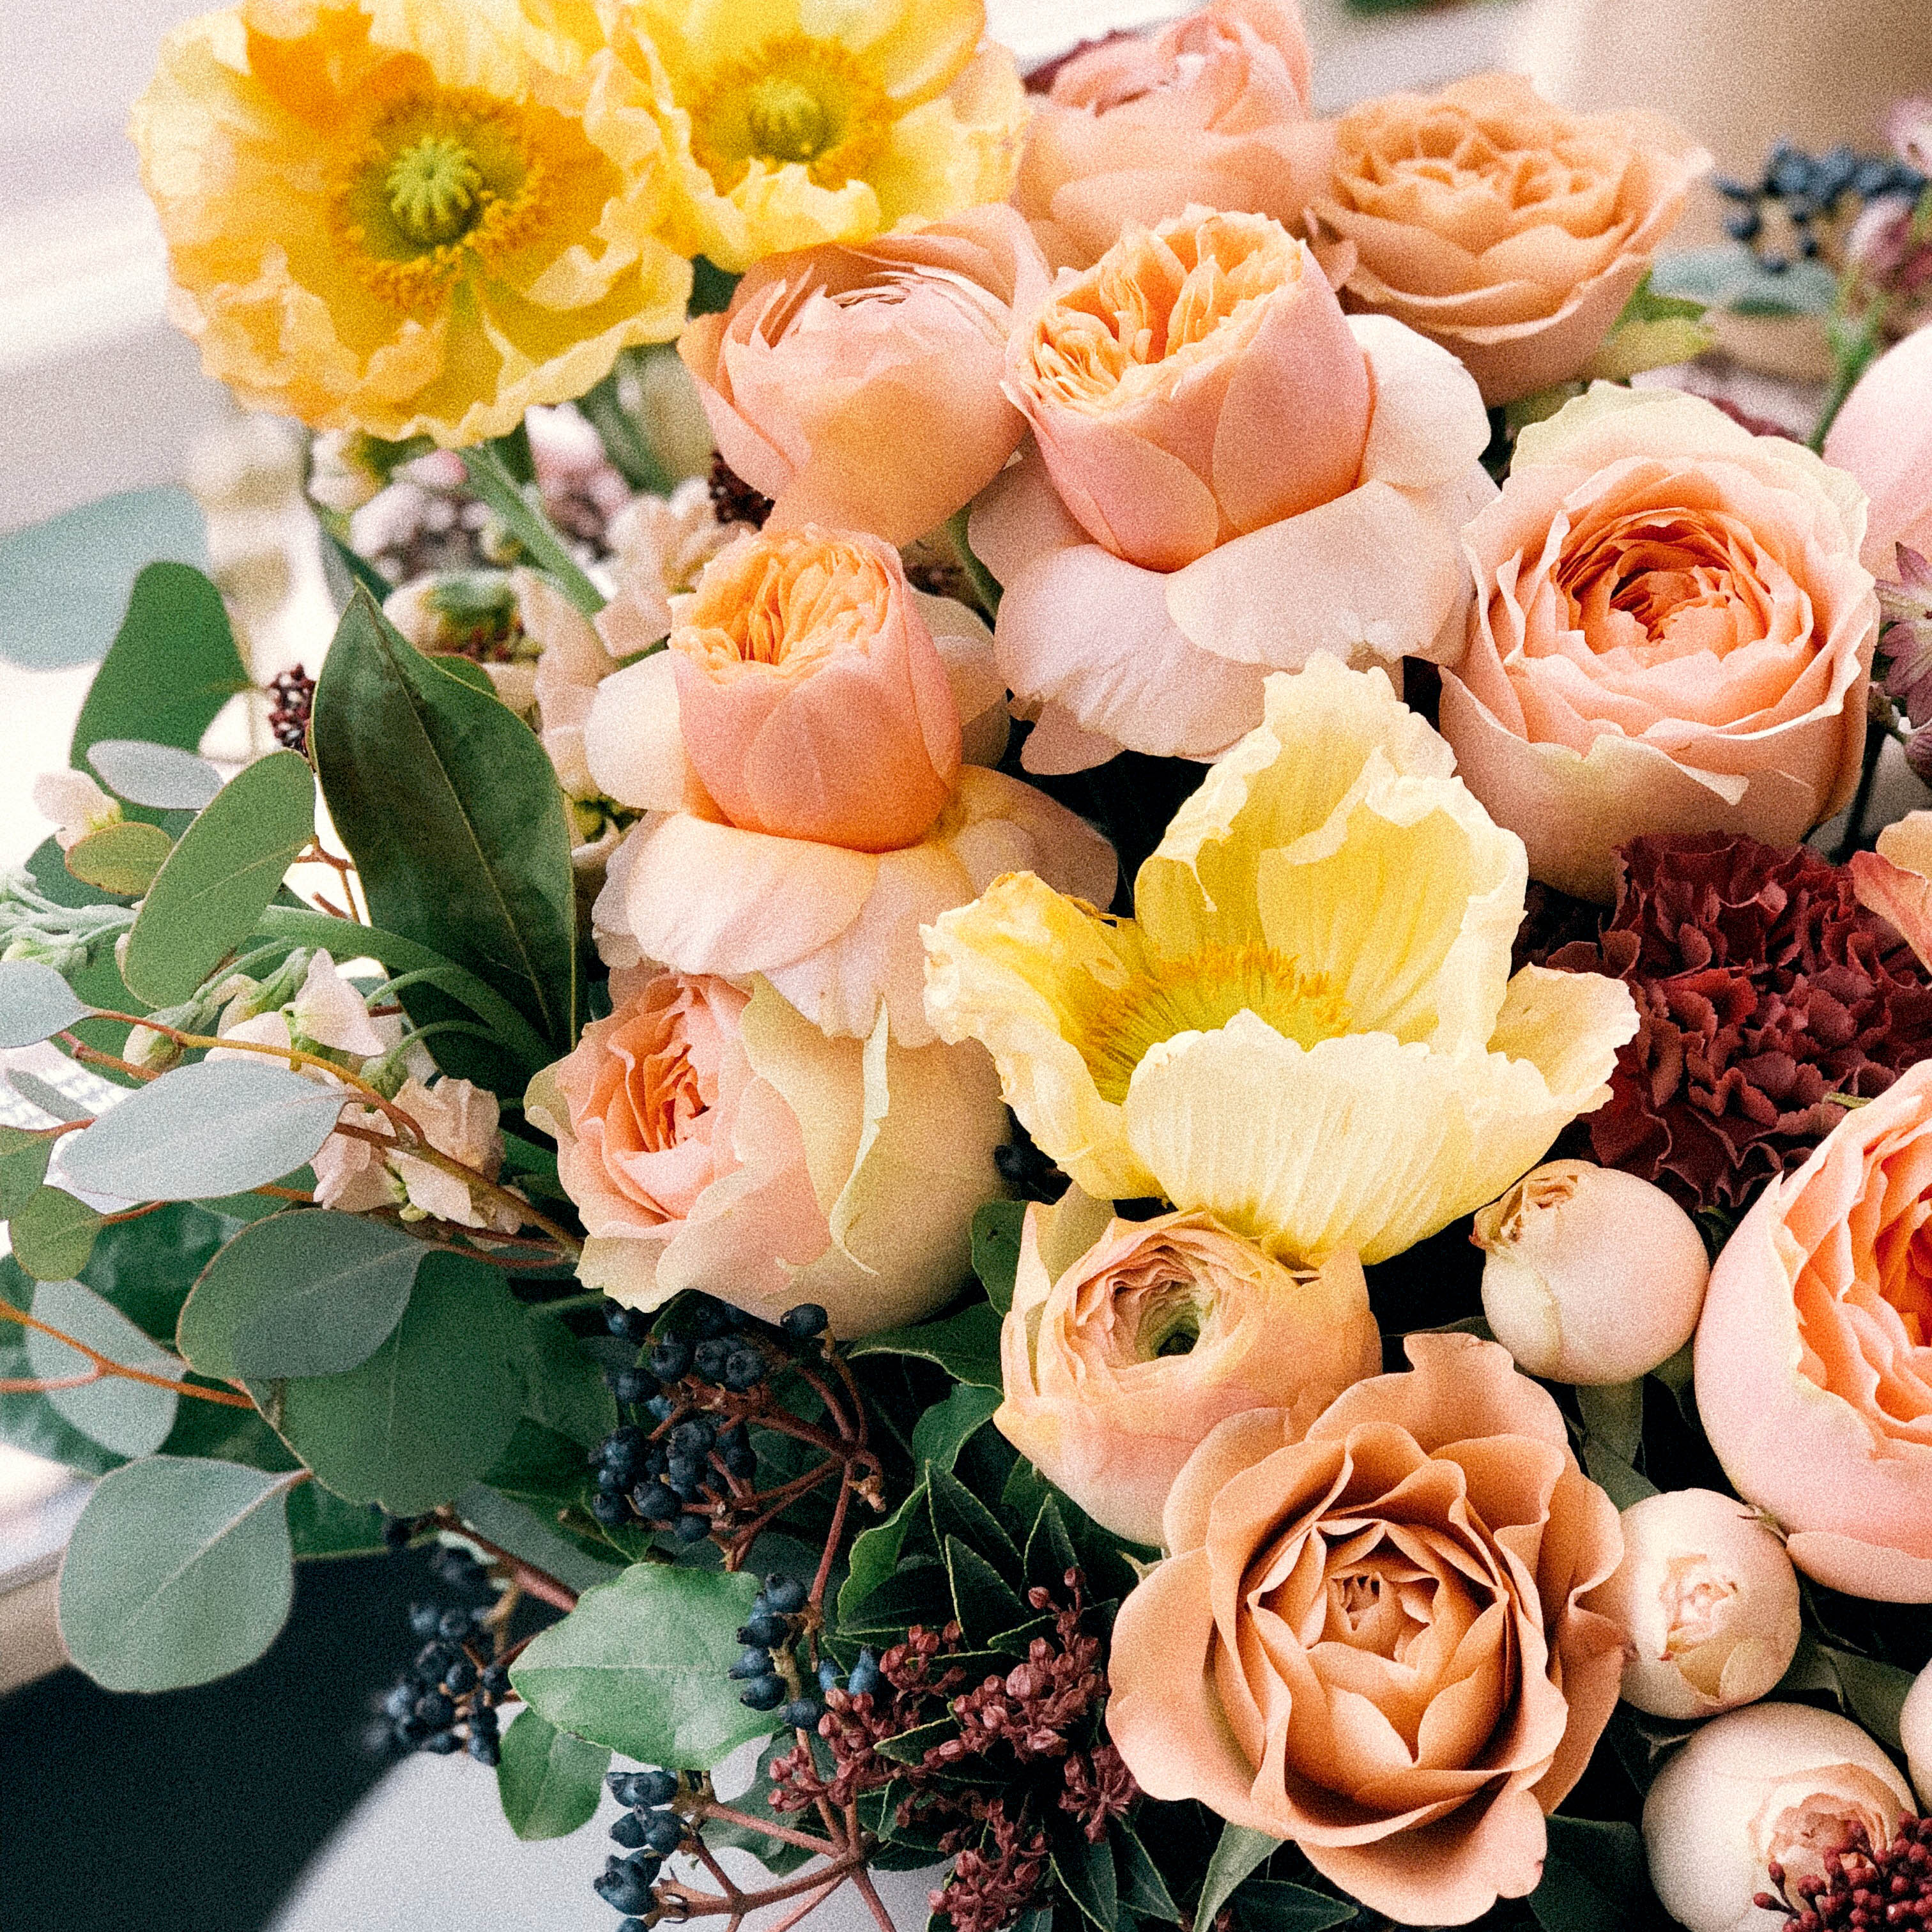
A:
{"points": [[550, 1782], [996, 1248], [452, 810], [1271, 1905], [1594, 1876], [982, 1600], [1143, 1890], [943, 1430], [565, 1386], [639, 1665], [966, 1345], [1087, 1875], [220, 877], [957, 1511], [875, 1555], [1050, 1553], [1236, 1853]]}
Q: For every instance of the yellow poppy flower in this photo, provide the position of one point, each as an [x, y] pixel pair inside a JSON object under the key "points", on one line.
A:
{"points": [[1310, 1029], [796, 122], [406, 217]]}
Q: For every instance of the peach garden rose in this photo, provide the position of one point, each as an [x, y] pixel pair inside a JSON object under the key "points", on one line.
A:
{"points": [[1377, 1637], [1229, 477], [1883, 435], [1128, 1341], [1672, 633], [1509, 231]]}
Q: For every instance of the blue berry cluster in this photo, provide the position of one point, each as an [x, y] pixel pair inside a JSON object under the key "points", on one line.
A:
{"points": [[769, 1635], [446, 1701], [682, 1454], [1807, 190], [650, 1832]]}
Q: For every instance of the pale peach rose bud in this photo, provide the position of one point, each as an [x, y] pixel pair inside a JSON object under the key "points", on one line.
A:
{"points": [[1773, 1783], [75, 804], [1708, 1598], [1198, 382], [1117, 1360], [1591, 1275], [858, 385], [1883, 435], [1915, 1731], [813, 701]]}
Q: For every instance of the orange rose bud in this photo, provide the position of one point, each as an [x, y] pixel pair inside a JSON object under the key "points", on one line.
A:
{"points": [[813, 701]]}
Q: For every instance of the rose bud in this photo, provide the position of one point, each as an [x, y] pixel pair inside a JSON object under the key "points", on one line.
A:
{"points": [[1592, 1275], [1915, 1731], [813, 701], [1199, 382], [858, 385], [1883, 435], [1772, 1784], [1710, 1600], [1118, 1360]]}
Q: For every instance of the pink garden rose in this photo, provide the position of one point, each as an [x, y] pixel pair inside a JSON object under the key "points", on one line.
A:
{"points": [[1212, 109], [1230, 476], [858, 385], [1883, 435], [1814, 1352]]}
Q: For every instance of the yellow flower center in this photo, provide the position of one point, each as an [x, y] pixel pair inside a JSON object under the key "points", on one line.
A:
{"points": [[1197, 994], [444, 182], [796, 101]]}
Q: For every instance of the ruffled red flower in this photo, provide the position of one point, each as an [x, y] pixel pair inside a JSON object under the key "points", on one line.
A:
{"points": [[1762, 987]]}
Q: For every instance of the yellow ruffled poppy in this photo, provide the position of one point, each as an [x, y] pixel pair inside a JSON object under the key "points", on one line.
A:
{"points": [[1310, 1029], [417, 217], [796, 122]]}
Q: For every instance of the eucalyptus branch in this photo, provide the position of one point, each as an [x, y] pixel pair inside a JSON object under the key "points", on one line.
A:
{"points": [[105, 1365]]}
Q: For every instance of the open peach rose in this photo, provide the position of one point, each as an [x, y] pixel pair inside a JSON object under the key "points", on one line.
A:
{"points": [[1894, 880], [1883, 435], [858, 386], [1375, 1638], [716, 1141], [1672, 634], [1507, 230], [1814, 1352], [1212, 109], [797, 750], [1231, 477], [1119, 1356]]}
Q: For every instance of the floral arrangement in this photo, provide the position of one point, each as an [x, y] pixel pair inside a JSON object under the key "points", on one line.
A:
{"points": [[1098, 1122]]}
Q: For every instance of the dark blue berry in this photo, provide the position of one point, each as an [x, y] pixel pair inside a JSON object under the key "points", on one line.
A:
{"points": [[664, 1832], [685, 1473], [622, 1892], [610, 1482], [628, 1325], [495, 1679], [1790, 171], [435, 1710], [764, 1693], [632, 1385], [661, 1408], [756, 1662], [744, 1368], [632, 1925], [459, 1677], [442, 1743], [654, 1787], [401, 1702], [485, 1748], [689, 1528], [804, 1321], [483, 1717], [741, 1459], [865, 1681], [628, 1830], [801, 1714], [694, 1436], [618, 1783], [454, 1625], [786, 1594], [424, 1618], [1744, 225], [1836, 168], [764, 1627], [655, 1503], [1734, 190], [669, 1359], [709, 1318], [828, 1675], [397, 1531], [609, 1511], [708, 1357], [411, 1730]]}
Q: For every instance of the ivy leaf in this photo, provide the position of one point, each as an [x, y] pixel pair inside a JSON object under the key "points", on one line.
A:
{"points": [[549, 1781], [639, 1664], [1593, 1875], [179, 1570], [1236, 1853], [966, 1345], [996, 1250]]}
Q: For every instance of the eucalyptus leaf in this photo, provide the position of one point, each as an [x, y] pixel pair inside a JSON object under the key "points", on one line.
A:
{"points": [[309, 1293], [1727, 275], [996, 1248], [44, 1095], [1875, 1692], [1616, 1478], [550, 1782], [179, 1570], [565, 1388], [132, 1418], [120, 860], [220, 877], [212, 1128], [35, 1003], [966, 1345], [53, 1234], [1236, 1853], [164, 776], [23, 1168], [639, 1665]]}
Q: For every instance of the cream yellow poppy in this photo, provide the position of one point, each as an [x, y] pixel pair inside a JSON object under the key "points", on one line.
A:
{"points": [[795, 122], [407, 216], [1310, 1029]]}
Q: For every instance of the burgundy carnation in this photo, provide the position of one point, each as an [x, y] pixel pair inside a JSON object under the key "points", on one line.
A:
{"points": [[1762, 986]]}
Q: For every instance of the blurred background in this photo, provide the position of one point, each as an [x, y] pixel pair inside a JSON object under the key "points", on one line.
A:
{"points": [[253, 1803]]}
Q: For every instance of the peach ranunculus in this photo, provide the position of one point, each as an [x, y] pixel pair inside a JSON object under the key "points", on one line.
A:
{"points": [[1883, 435], [1814, 1352], [1119, 1356], [1509, 231], [1212, 109], [1230, 476], [1894, 880], [797, 750], [1672, 634], [1375, 1638], [858, 386], [715, 1140], [414, 218]]}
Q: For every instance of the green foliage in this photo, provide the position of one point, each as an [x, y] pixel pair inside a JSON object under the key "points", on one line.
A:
{"points": [[220, 877], [639, 1664], [178, 1571], [53, 1234], [131, 1417], [121, 860], [1272, 1905], [430, 1410], [162, 776], [565, 1388], [1594, 1876], [515, 1526], [24, 1153], [1728, 276], [944, 1429], [550, 1782], [493, 479], [30, 1421], [996, 1248], [451, 809], [35, 1003], [966, 1345], [171, 666], [1236, 1853]]}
